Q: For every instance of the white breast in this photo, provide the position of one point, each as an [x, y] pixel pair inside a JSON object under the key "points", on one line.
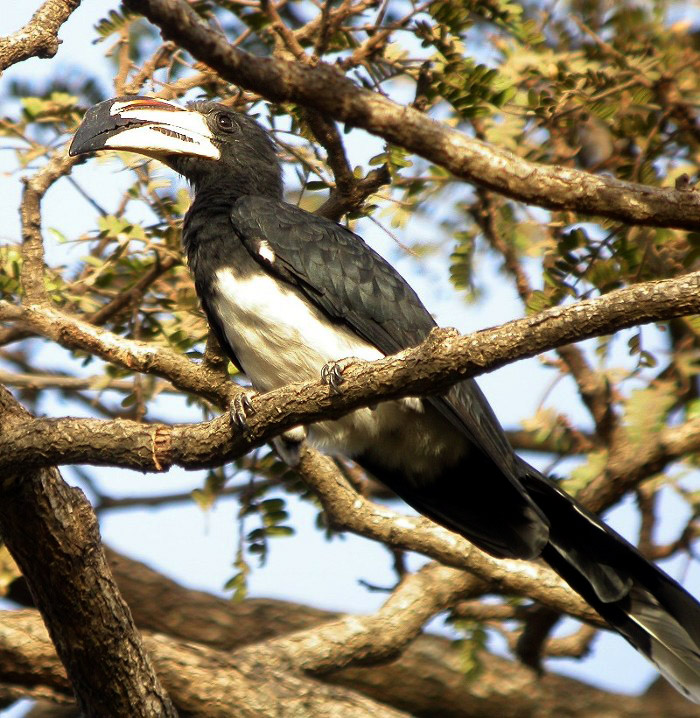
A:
{"points": [[279, 338]]}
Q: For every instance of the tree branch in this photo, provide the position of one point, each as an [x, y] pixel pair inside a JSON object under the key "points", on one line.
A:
{"points": [[201, 680], [73, 333], [33, 266], [62, 382], [353, 640], [427, 680], [52, 534], [38, 38], [347, 510], [324, 89], [443, 359]]}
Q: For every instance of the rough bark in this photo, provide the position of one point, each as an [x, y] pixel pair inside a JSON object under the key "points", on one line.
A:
{"points": [[427, 681], [202, 681], [52, 533], [444, 358], [38, 38]]}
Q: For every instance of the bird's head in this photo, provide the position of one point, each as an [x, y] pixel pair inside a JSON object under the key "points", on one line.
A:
{"points": [[205, 141]]}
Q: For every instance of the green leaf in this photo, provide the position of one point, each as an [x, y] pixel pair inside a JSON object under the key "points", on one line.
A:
{"points": [[316, 185], [582, 475], [272, 505], [280, 531], [275, 517], [114, 22], [471, 647], [34, 106]]}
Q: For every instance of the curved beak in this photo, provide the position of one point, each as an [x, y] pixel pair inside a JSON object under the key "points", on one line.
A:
{"points": [[146, 125]]}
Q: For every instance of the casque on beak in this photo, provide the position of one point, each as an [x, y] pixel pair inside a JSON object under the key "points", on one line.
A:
{"points": [[146, 125]]}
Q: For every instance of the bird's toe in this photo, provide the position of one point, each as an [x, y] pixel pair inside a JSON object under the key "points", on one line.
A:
{"points": [[332, 373], [241, 408]]}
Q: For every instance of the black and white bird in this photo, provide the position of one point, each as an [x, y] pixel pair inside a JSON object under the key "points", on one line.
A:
{"points": [[288, 293]]}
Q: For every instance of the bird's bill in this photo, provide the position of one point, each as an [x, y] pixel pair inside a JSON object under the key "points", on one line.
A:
{"points": [[146, 125]]}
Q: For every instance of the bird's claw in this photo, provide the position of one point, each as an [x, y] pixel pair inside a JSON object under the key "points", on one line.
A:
{"points": [[241, 408], [332, 373]]}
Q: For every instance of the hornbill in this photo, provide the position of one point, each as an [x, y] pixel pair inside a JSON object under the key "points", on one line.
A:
{"points": [[289, 295]]}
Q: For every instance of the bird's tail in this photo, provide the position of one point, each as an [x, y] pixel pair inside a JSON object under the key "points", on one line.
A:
{"points": [[651, 610]]}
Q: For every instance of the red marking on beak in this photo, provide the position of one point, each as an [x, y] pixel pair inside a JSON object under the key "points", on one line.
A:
{"points": [[150, 103]]}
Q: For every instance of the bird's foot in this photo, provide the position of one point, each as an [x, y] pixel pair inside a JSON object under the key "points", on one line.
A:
{"points": [[288, 445], [241, 408], [332, 373]]}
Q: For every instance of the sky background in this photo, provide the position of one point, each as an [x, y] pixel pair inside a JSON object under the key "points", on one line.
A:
{"points": [[197, 547]]}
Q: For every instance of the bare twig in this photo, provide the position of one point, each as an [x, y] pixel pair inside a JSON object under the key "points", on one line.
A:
{"points": [[33, 266], [39, 381]]}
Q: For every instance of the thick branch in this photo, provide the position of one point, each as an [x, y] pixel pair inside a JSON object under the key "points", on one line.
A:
{"points": [[353, 640], [324, 89], [202, 681], [503, 689], [440, 361], [436, 686], [51, 532], [217, 685]]}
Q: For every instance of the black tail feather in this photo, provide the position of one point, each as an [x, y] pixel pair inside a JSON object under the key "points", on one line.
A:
{"points": [[641, 602], [645, 605]]}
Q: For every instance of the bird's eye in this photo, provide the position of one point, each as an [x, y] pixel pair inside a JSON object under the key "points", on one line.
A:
{"points": [[224, 121]]}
